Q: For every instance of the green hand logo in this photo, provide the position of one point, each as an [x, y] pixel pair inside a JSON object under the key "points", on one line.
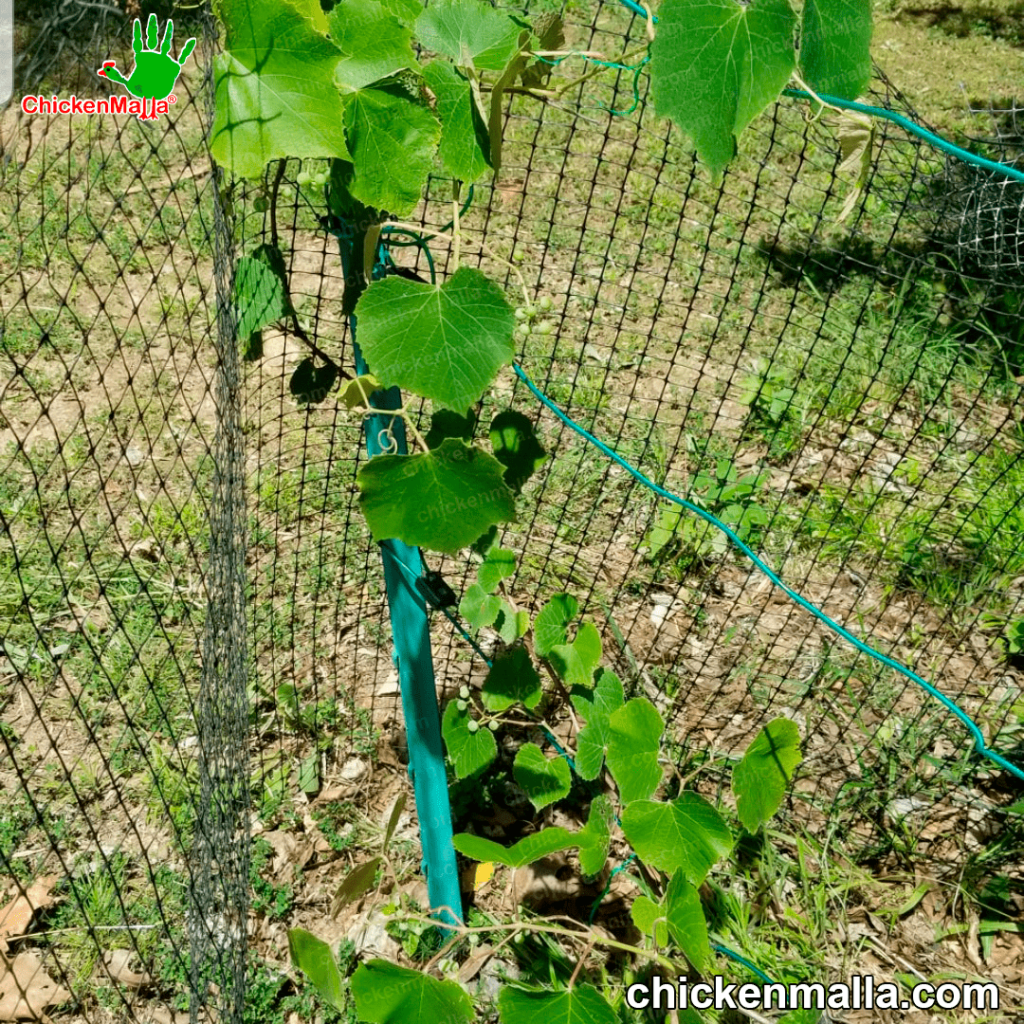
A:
{"points": [[156, 72]]}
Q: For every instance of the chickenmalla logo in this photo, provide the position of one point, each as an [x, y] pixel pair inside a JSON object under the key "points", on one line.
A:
{"points": [[155, 72], [150, 85]]}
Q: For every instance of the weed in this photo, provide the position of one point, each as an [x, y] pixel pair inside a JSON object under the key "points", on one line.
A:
{"points": [[268, 898], [687, 539], [774, 415], [419, 939], [336, 821], [16, 821]]}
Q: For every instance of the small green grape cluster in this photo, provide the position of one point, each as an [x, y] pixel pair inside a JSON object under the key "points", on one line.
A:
{"points": [[472, 725], [528, 322], [317, 179]]}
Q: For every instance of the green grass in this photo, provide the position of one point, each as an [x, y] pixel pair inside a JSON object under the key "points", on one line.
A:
{"points": [[960, 548]]}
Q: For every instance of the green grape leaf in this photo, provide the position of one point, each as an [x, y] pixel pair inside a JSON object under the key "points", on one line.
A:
{"points": [[444, 424], [512, 679], [372, 41], [261, 290], [392, 140], [253, 347], [406, 11], [595, 838], [314, 958], [543, 779], [312, 10], [649, 918], [575, 663], [685, 833], [581, 1004], [311, 383], [516, 447], [663, 532], [470, 752], [595, 705], [352, 394], [345, 206], [470, 32], [593, 841], [479, 608], [686, 922], [498, 564], [309, 774], [485, 541], [835, 45], [274, 89], [632, 748], [549, 626], [357, 883], [507, 622], [442, 500], [550, 33], [716, 64], [529, 849], [388, 994], [445, 343], [759, 781], [464, 148]]}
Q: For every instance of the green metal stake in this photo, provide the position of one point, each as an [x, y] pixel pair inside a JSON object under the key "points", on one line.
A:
{"points": [[412, 655]]}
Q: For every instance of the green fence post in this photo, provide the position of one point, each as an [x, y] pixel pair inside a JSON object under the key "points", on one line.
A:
{"points": [[413, 658]]}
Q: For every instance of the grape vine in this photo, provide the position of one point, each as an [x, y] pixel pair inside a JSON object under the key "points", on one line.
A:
{"points": [[294, 81], [389, 92], [677, 839]]}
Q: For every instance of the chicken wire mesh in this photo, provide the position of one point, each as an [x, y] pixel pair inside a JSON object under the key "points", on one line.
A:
{"points": [[177, 656]]}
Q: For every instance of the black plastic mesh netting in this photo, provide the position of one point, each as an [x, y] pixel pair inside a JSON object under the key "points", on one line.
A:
{"points": [[124, 666], [194, 639]]}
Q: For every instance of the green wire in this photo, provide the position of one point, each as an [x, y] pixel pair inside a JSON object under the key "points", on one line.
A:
{"points": [[418, 240], [975, 731], [915, 129], [635, 68]]}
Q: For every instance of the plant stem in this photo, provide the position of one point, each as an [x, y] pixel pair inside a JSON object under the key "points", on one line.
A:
{"points": [[593, 938], [273, 202], [370, 410], [579, 963], [594, 72], [420, 229], [456, 233]]}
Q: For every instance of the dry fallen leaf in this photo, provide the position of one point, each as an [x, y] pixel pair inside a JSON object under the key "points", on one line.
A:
{"points": [[116, 961], [545, 882], [163, 1014], [26, 990], [472, 966], [16, 917], [284, 845]]}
